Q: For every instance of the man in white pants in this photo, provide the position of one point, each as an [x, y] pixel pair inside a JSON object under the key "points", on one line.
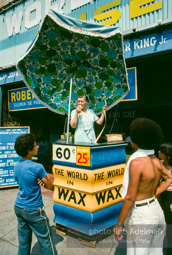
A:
{"points": [[141, 213]]}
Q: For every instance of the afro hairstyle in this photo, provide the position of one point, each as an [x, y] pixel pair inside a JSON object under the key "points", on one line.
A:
{"points": [[146, 133]]}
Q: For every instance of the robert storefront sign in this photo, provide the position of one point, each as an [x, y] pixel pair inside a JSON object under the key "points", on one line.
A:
{"points": [[22, 99]]}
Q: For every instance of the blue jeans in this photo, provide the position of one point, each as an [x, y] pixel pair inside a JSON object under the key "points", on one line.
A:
{"points": [[33, 220]]}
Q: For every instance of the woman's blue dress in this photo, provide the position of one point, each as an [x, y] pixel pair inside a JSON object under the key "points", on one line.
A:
{"points": [[84, 132]]}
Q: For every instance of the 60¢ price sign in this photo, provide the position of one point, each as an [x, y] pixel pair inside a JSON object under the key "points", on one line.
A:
{"points": [[64, 153], [83, 156], [72, 154]]}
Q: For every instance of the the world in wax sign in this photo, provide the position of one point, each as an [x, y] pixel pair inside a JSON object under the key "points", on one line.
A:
{"points": [[22, 99], [86, 189], [89, 202], [86, 180]]}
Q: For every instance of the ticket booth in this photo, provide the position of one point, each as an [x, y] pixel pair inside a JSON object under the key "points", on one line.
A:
{"points": [[87, 185]]}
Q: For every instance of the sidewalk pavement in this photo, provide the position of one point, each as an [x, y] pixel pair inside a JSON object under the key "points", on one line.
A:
{"points": [[63, 245]]}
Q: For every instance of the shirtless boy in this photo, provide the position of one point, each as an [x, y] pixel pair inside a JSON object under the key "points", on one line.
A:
{"points": [[141, 210]]}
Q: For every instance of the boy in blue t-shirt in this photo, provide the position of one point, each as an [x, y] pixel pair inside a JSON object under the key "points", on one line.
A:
{"points": [[29, 204]]}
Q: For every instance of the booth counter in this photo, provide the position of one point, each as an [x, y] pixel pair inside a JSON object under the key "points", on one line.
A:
{"points": [[87, 185]]}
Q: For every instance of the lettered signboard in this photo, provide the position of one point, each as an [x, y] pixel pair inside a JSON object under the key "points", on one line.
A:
{"points": [[88, 190], [74, 154], [8, 155], [22, 99]]}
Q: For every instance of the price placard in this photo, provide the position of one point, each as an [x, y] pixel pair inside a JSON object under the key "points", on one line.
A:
{"points": [[83, 156], [64, 153]]}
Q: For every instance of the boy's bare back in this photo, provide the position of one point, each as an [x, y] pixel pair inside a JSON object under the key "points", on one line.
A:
{"points": [[151, 171]]}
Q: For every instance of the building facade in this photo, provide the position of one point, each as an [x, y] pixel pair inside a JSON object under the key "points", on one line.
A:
{"points": [[147, 31]]}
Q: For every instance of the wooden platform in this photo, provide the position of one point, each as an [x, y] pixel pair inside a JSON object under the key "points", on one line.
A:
{"points": [[85, 239], [59, 229]]}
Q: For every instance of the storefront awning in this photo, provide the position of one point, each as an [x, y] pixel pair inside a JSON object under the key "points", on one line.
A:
{"points": [[9, 77]]}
